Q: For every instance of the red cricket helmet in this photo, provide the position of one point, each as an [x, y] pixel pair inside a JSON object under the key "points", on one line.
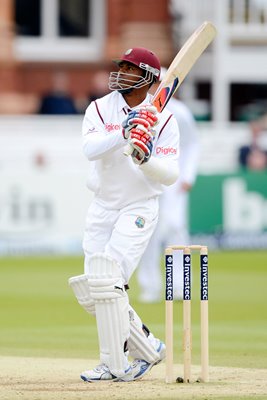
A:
{"points": [[142, 58]]}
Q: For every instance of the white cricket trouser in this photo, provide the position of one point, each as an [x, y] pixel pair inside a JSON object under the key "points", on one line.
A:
{"points": [[121, 234], [171, 229]]}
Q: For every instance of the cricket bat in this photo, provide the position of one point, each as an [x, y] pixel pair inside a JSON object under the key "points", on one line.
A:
{"points": [[180, 66]]}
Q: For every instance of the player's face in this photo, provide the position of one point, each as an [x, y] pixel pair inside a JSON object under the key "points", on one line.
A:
{"points": [[128, 77], [126, 69]]}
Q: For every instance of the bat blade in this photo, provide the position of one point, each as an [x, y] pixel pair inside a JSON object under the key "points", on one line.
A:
{"points": [[182, 63], [180, 66]]}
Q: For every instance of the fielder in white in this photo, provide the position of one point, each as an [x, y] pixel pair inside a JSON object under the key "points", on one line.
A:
{"points": [[172, 227], [124, 212]]}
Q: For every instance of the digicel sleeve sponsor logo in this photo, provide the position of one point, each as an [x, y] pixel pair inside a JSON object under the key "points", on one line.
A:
{"points": [[112, 127], [166, 150]]}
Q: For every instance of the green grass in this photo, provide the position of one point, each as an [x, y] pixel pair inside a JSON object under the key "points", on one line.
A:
{"points": [[40, 316]]}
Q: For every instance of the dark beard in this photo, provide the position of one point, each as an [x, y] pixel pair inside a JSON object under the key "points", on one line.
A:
{"points": [[125, 91]]}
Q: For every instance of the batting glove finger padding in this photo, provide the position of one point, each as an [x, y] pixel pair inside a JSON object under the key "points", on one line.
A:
{"points": [[141, 151], [140, 134], [149, 113], [144, 116], [139, 121], [151, 118]]}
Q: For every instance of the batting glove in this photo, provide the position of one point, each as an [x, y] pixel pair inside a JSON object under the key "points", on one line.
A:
{"points": [[144, 118], [142, 144]]}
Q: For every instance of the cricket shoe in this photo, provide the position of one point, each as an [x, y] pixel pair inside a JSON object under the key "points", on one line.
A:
{"points": [[102, 373], [142, 367]]}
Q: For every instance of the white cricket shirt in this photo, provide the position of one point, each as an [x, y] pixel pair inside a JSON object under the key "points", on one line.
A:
{"points": [[114, 178]]}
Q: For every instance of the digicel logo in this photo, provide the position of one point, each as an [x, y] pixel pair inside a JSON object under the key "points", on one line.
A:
{"points": [[166, 150], [111, 127]]}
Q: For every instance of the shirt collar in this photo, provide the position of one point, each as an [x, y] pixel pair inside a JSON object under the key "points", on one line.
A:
{"points": [[122, 105]]}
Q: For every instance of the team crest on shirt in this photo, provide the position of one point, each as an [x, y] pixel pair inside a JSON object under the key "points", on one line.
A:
{"points": [[140, 222]]}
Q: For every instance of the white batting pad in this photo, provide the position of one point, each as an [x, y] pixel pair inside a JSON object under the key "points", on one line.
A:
{"points": [[111, 307], [140, 345], [81, 289]]}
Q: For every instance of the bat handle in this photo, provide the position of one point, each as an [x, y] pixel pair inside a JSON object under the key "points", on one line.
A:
{"points": [[128, 150]]}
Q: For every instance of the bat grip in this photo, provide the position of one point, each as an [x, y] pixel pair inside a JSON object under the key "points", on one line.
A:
{"points": [[128, 150]]}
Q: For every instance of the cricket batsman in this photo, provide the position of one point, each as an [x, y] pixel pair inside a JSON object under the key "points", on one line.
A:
{"points": [[124, 212]]}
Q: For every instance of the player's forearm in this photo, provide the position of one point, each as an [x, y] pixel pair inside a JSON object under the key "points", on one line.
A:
{"points": [[95, 145], [161, 170]]}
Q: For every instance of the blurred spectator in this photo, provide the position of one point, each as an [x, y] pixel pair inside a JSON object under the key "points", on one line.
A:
{"points": [[39, 159], [58, 101], [99, 86], [18, 103], [254, 155]]}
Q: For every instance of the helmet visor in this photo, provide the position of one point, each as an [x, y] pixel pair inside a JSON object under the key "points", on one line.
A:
{"points": [[121, 81]]}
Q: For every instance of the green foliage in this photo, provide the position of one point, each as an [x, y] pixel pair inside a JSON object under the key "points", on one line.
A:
{"points": [[41, 317]]}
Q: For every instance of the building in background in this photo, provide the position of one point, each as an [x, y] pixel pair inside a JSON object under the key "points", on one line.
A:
{"points": [[81, 36], [237, 78], [77, 37]]}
